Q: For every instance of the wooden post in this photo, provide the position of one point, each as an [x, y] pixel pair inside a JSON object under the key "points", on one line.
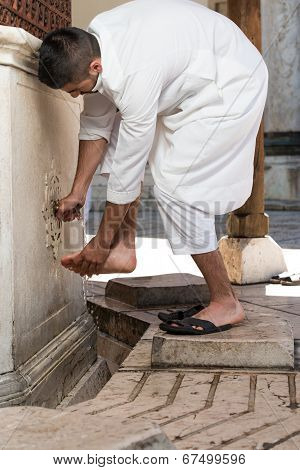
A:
{"points": [[250, 220]]}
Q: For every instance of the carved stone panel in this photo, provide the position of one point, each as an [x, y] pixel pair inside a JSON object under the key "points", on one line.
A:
{"points": [[53, 225]]}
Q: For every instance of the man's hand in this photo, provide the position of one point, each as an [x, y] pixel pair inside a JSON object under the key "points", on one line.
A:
{"points": [[89, 260], [89, 157], [69, 208]]}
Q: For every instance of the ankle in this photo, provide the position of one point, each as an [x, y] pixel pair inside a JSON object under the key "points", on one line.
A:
{"points": [[229, 299], [127, 243]]}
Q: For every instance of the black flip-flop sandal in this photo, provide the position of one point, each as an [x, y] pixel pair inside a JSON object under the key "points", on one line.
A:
{"points": [[180, 314], [291, 280], [277, 279], [185, 327]]}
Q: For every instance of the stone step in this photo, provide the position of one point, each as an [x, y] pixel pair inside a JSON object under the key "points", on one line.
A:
{"points": [[114, 351], [120, 321], [89, 385], [154, 291], [260, 341]]}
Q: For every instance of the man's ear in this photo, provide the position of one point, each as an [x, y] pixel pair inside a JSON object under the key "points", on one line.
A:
{"points": [[95, 67]]}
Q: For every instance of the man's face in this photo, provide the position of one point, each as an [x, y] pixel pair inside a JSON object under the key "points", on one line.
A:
{"points": [[86, 85], [81, 88]]}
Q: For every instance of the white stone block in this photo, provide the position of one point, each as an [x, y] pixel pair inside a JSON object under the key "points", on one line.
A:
{"points": [[260, 341], [251, 260]]}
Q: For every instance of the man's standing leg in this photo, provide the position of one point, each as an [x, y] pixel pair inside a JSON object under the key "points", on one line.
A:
{"points": [[224, 307], [188, 229]]}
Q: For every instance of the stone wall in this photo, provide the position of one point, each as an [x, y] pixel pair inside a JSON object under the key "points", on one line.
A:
{"points": [[281, 42], [84, 12], [47, 339]]}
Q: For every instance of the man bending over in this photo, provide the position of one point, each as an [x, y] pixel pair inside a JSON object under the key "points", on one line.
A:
{"points": [[180, 86]]}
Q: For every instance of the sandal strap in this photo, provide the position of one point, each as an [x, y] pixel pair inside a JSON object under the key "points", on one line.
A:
{"points": [[208, 325], [195, 309], [205, 324]]}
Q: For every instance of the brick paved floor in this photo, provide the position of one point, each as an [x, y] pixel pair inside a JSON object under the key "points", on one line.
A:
{"points": [[202, 409], [215, 408], [207, 410], [196, 408]]}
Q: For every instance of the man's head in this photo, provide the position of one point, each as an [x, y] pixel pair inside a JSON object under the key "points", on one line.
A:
{"points": [[70, 59]]}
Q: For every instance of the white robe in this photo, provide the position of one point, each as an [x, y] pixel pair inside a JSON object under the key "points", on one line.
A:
{"points": [[190, 91]]}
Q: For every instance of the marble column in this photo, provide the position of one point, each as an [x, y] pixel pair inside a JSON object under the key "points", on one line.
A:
{"points": [[47, 338]]}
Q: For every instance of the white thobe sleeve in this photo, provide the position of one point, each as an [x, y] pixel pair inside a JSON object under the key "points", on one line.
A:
{"points": [[97, 117], [138, 107]]}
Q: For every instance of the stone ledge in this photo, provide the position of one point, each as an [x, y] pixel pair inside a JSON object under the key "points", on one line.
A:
{"points": [[251, 260], [192, 408], [261, 341], [124, 323], [18, 49], [46, 378], [118, 320], [112, 349], [89, 385], [154, 291]]}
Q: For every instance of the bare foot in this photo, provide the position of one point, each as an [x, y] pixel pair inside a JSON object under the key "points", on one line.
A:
{"points": [[121, 259], [221, 313]]}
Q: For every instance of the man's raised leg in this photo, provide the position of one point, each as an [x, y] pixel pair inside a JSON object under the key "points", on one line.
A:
{"points": [[122, 253]]}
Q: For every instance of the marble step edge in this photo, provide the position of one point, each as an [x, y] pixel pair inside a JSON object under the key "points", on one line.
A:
{"points": [[149, 332], [112, 349], [140, 360], [16, 387], [258, 343], [157, 291], [208, 369], [124, 326], [89, 385]]}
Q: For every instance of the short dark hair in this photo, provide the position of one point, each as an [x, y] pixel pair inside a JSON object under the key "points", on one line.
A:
{"points": [[65, 56]]}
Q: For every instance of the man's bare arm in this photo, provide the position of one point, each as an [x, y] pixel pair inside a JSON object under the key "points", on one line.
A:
{"points": [[90, 156]]}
